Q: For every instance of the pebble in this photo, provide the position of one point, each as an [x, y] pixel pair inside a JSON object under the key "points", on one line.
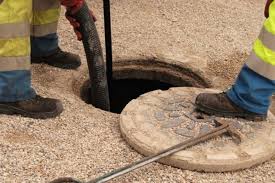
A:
{"points": [[185, 132], [160, 116], [171, 108], [172, 123], [237, 125], [191, 126], [174, 115], [204, 129]]}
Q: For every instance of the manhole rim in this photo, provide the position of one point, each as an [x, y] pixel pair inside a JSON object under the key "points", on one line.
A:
{"points": [[121, 66], [154, 68]]}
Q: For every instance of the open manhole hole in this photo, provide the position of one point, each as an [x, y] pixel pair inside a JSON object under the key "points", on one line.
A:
{"points": [[132, 78]]}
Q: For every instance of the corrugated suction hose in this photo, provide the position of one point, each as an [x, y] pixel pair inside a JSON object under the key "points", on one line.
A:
{"points": [[99, 86]]}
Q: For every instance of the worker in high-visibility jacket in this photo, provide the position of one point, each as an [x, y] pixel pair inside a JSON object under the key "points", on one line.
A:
{"points": [[250, 96], [28, 33]]}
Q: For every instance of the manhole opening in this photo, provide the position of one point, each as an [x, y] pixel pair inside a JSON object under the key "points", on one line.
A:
{"points": [[134, 78], [125, 90]]}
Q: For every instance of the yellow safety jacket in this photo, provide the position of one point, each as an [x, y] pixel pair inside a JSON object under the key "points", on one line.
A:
{"points": [[18, 20], [262, 58]]}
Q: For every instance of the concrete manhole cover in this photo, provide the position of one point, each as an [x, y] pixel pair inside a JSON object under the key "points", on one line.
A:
{"points": [[160, 119]]}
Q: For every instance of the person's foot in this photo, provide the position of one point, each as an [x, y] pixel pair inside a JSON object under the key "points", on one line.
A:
{"points": [[38, 108], [220, 105], [60, 59]]}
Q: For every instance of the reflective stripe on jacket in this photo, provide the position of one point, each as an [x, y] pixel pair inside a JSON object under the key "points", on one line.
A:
{"points": [[45, 17]]}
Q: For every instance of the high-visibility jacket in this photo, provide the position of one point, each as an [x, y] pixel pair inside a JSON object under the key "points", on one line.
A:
{"points": [[19, 19], [262, 58]]}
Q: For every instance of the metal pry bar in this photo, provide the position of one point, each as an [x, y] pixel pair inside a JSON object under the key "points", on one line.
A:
{"points": [[225, 127]]}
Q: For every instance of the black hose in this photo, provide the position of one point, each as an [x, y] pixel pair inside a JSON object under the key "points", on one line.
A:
{"points": [[65, 180], [99, 86]]}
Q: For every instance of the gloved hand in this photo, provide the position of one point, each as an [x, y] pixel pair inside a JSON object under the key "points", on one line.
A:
{"points": [[72, 7], [266, 12]]}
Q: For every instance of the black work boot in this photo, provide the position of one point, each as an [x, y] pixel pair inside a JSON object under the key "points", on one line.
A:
{"points": [[60, 59], [221, 106], [38, 108]]}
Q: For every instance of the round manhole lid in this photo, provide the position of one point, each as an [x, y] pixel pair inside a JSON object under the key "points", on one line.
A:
{"points": [[160, 119]]}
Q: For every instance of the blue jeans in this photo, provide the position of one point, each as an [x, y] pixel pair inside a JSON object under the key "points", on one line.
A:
{"points": [[44, 46], [252, 91]]}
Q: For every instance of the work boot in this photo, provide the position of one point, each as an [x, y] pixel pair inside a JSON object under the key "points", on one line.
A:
{"points": [[60, 59], [221, 106], [38, 108]]}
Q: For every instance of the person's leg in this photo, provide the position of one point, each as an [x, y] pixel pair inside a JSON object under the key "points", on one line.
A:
{"points": [[251, 93], [15, 76], [44, 38], [256, 82], [16, 94]]}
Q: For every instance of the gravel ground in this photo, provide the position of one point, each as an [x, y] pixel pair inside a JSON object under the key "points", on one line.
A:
{"points": [[85, 142]]}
